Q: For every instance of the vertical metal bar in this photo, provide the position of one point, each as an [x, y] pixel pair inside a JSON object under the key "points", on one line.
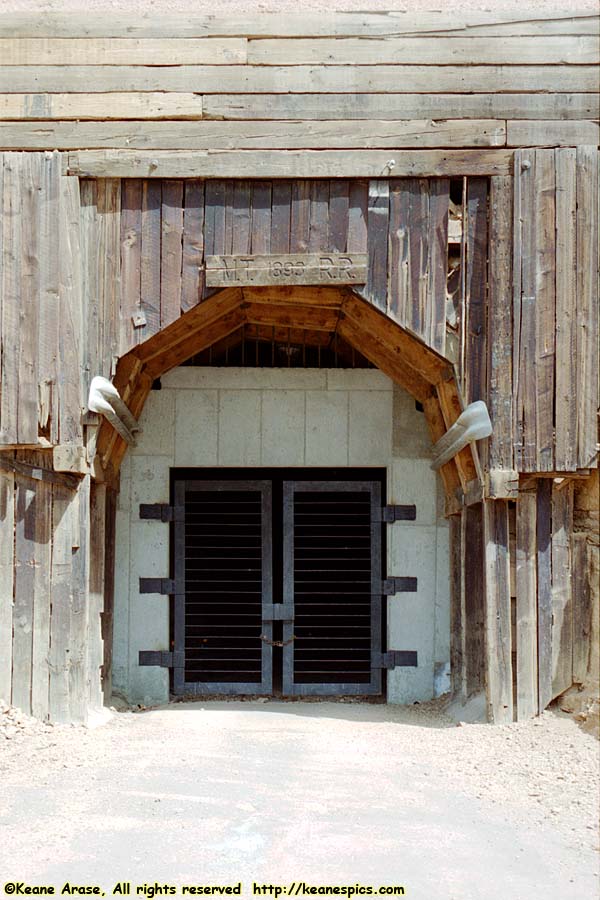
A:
{"points": [[288, 585], [267, 586], [179, 576], [376, 598]]}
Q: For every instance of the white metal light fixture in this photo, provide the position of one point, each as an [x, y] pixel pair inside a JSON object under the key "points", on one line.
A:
{"points": [[105, 399], [472, 425]]}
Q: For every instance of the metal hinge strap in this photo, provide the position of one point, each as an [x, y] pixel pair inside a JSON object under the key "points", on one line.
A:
{"points": [[162, 512], [402, 513], [158, 586], [398, 585], [393, 658], [163, 658]]}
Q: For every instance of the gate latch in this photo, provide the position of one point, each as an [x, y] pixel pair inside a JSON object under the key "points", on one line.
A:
{"points": [[164, 658], [278, 612], [405, 513], [398, 585], [162, 512], [394, 658]]}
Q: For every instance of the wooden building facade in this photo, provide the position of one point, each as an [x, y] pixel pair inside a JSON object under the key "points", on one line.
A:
{"points": [[455, 161]]}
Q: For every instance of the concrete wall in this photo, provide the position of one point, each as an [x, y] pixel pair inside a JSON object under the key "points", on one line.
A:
{"points": [[282, 417]]}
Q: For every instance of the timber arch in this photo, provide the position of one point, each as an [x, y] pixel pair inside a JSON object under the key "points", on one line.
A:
{"points": [[407, 360]]}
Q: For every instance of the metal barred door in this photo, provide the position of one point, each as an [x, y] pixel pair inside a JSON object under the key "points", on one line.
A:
{"points": [[332, 587], [223, 558]]}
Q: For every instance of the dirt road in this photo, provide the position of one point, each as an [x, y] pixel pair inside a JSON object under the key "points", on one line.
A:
{"points": [[331, 794]]}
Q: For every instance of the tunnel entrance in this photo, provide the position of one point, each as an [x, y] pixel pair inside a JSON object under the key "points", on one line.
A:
{"points": [[281, 572]]}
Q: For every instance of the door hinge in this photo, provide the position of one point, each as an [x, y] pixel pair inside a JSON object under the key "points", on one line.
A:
{"points": [[398, 585], [157, 586], [405, 513], [164, 658], [278, 612], [394, 658], [162, 512]]}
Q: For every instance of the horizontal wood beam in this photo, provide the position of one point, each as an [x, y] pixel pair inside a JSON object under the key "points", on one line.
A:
{"points": [[254, 135], [552, 133], [291, 316], [286, 163], [296, 296]]}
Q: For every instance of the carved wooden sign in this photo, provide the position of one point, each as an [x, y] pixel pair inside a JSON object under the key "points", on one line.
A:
{"points": [[286, 268]]}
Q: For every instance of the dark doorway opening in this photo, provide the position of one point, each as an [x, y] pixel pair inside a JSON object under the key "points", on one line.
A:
{"points": [[282, 571]]}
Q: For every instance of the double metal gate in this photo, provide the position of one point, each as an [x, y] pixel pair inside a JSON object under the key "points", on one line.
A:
{"points": [[329, 596]]}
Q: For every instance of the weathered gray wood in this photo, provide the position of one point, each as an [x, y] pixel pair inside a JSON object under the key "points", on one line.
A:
{"points": [[254, 135], [132, 105], [319, 216], [280, 217], [9, 294], [583, 605], [25, 567], [385, 106], [72, 333], [562, 586], [545, 307], [525, 335], [378, 217], [260, 226], [300, 217], [397, 79], [7, 575], [284, 269], [457, 662], [131, 246], [500, 324], [588, 311], [286, 163], [98, 51], [357, 216], [110, 260], [97, 574], [339, 206], [551, 134], [61, 595], [40, 672], [437, 264], [171, 249], [242, 217], [499, 675], [474, 621], [78, 631], [28, 309], [150, 259], [526, 586], [544, 590], [307, 23], [566, 311], [425, 50], [192, 283], [476, 289]]}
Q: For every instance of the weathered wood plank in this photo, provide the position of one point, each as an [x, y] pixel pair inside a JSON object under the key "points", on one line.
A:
{"points": [[110, 257], [260, 241], [583, 606], [551, 134], [562, 586], [132, 105], [150, 259], [378, 217], [387, 106], [457, 631], [9, 297], [25, 567], [437, 263], [91, 280], [566, 409], [29, 288], [56, 51], [588, 311], [290, 316], [555, 50], [281, 217], [171, 251], [97, 572], [319, 216], [474, 625], [72, 331], [300, 217], [215, 135], [545, 306], [78, 631], [131, 250], [476, 289], [286, 164], [61, 594], [357, 216], [526, 585], [192, 283], [499, 676], [308, 23], [40, 671], [322, 79], [500, 324], [544, 591], [339, 206], [7, 576], [525, 313]]}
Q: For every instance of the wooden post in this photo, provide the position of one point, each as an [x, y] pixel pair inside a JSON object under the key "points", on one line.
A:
{"points": [[95, 647], [61, 593], [7, 574], [499, 684], [527, 679], [544, 591], [457, 631]]}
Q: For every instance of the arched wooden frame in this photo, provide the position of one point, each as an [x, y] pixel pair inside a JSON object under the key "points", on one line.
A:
{"points": [[427, 376]]}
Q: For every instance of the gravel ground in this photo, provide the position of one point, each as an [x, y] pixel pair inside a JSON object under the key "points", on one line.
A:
{"points": [[329, 793]]}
